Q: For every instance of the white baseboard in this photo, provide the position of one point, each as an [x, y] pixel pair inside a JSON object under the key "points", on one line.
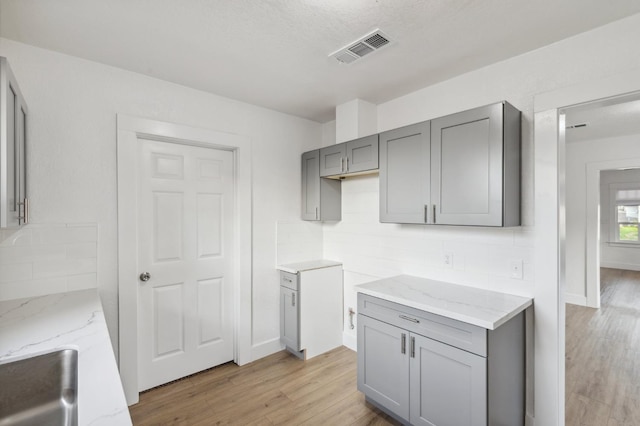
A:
{"points": [[620, 265], [263, 349], [575, 299], [350, 340]]}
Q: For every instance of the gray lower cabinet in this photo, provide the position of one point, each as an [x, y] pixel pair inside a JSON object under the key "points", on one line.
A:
{"points": [[356, 156], [321, 198], [405, 164], [475, 167], [426, 369], [289, 318]]}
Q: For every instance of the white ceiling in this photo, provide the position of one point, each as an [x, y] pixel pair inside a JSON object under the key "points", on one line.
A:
{"points": [[604, 119], [273, 53]]}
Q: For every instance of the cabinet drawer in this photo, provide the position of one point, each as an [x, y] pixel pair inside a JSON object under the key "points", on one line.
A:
{"points": [[289, 280], [459, 334]]}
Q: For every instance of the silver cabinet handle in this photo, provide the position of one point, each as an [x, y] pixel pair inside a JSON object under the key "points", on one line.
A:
{"points": [[145, 276], [413, 347], [24, 219], [426, 213], [403, 344], [293, 299], [316, 213], [347, 163], [434, 213], [341, 165], [404, 317]]}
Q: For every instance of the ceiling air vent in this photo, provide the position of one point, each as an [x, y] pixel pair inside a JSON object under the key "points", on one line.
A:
{"points": [[361, 47]]}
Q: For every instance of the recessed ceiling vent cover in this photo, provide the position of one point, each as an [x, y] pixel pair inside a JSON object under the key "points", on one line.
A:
{"points": [[361, 47]]}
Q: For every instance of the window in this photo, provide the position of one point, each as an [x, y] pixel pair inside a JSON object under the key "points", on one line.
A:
{"points": [[626, 203]]}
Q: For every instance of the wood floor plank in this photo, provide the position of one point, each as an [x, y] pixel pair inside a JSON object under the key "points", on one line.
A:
{"points": [[603, 355], [276, 390]]}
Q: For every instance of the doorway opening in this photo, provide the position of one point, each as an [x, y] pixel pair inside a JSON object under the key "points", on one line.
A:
{"points": [[602, 250], [132, 134]]}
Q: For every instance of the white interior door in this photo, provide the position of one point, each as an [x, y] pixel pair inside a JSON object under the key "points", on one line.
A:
{"points": [[185, 238]]}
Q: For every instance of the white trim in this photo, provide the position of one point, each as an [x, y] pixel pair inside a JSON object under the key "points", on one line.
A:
{"points": [[628, 244], [266, 348], [549, 166], [621, 265], [130, 129], [575, 299], [613, 212], [350, 340]]}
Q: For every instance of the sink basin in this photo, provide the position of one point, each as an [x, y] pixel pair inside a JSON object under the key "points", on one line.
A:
{"points": [[40, 390]]}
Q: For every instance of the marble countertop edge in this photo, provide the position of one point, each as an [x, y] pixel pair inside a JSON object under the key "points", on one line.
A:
{"points": [[484, 308]]}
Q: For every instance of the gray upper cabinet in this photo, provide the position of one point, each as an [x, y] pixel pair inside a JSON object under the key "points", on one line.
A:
{"points": [[462, 169], [475, 167], [356, 156], [332, 160], [321, 198], [405, 174], [13, 135]]}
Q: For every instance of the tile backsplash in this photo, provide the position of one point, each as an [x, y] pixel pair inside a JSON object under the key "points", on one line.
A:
{"points": [[42, 259], [298, 242]]}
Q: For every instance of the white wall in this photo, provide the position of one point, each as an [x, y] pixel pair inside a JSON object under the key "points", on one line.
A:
{"points": [[371, 250], [47, 259], [72, 159], [612, 255], [579, 155]]}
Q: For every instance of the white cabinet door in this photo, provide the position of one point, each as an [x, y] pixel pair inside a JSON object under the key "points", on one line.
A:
{"points": [[383, 364], [404, 174], [448, 385]]}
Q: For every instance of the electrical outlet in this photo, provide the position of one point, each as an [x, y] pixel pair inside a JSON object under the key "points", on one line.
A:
{"points": [[447, 259], [516, 269]]}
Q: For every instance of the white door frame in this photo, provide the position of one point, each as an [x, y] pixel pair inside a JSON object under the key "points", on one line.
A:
{"points": [[130, 129], [549, 263]]}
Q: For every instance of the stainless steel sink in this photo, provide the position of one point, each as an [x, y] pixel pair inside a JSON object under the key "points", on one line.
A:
{"points": [[40, 390]]}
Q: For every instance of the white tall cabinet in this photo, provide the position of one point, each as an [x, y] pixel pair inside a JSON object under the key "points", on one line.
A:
{"points": [[13, 135]]}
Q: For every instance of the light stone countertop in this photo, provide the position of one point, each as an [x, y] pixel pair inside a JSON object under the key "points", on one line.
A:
{"points": [[294, 268], [72, 320], [484, 308]]}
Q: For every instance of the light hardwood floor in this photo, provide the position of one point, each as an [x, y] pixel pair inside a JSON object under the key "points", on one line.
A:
{"points": [[276, 390], [603, 355]]}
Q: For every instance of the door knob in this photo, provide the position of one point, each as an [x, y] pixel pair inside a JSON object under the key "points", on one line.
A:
{"points": [[145, 276]]}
